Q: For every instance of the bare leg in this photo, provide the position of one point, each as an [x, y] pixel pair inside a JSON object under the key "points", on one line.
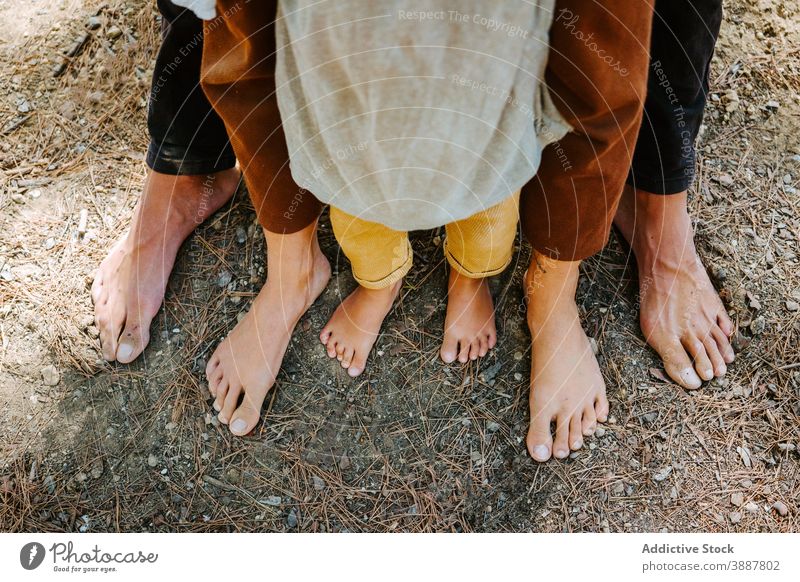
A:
{"points": [[682, 316], [129, 285], [469, 327], [567, 387], [244, 366], [355, 325]]}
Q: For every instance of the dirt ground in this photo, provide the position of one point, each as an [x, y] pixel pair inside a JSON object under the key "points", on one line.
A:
{"points": [[412, 445]]}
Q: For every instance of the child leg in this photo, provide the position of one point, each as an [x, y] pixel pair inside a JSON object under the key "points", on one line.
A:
{"points": [[476, 248], [380, 258]]}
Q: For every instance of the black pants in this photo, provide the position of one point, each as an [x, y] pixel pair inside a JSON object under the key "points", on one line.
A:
{"points": [[186, 135], [681, 47]]}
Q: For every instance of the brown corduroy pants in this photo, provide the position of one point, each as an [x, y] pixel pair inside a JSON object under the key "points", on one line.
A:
{"points": [[597, 76]]}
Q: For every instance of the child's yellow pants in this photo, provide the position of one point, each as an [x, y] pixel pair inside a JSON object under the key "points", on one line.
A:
{"points": [[478, 246]]}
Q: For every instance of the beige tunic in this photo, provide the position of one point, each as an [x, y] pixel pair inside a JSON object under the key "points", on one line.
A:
{"points": [[414, 113]]}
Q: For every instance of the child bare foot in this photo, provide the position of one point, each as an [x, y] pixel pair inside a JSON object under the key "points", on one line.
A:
{"points": [[354, 326], [682, 316], [567, 387], [244, 366], [129, 285], [469, 328]]}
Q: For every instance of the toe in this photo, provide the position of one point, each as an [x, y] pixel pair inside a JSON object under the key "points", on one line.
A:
{"points": [[330, 348], [575, 431], [697, 350], [340, 349], [539, 440], [589, 421], [211, 366], [474, 349], [230, 404], [246, 417], [561, 442], [714, 356], [601, 407], [221, 393], [483, 348], [133, 340], [97, 288], [491, 340], [449, 350], [358, 364], [724, 322], [724, 345], [325, 335], [463, 353], [677, 363], [347, 357]]}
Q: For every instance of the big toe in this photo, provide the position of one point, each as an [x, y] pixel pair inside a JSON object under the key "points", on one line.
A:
{"points": [[449, 349], [539, 440], [245, 417], [132, 342], [678, 364]]}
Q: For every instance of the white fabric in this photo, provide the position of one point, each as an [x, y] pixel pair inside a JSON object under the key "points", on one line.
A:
{"points": [[414, 113], [203, 9]]}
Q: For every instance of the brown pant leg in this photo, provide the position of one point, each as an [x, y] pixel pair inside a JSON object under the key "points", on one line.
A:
{"points": [[238, 76], [597, 76]]}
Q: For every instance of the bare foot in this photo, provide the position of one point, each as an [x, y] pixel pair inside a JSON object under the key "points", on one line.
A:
{"points": [[244, 366], [354, 326], [129, 285], [567, 387], [469, 329], [682, 316]]}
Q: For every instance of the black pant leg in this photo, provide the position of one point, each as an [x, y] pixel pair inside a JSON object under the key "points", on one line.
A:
{"points": [[684, 35], [186, 135]]}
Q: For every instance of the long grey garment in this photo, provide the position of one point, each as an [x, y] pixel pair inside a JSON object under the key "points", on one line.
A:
{"points": [[414, 113]]}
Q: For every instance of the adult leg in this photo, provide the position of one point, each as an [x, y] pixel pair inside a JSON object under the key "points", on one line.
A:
{"points": [[239, 78], [191, 174], [682, 316], [597, 77]]}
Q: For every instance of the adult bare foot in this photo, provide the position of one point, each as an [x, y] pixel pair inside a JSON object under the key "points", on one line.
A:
{"points": [[129, 285], [567, 387], [244, 366], [469, 328], [682, 316], [355, 325]]}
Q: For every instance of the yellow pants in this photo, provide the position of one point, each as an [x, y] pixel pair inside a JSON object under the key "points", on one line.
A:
{"points": [[478, 246]]}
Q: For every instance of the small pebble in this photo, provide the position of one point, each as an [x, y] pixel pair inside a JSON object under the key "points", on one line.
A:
{"points": [[781, 508], [735, 516], [50, 376], [792, 305], [114, 32], [152, 460], [291, 519], [737, 499]]}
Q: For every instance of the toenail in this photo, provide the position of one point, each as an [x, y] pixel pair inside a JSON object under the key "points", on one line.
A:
{"points": [[217, 406], [561, 454], [238, 426], [353, 372], [124, 351], [691, 377], [577, 444], [541, 452]]}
